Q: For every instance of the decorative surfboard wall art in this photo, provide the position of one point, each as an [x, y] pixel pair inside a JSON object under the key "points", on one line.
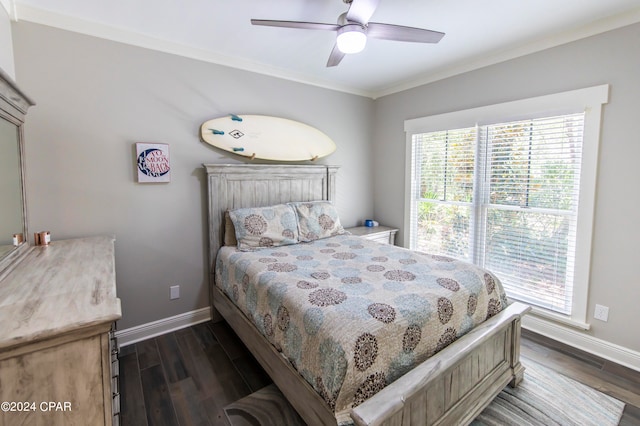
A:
{"points": [[267, 138]]}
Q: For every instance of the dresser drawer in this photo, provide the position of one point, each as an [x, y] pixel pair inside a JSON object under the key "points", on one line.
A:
{"points": [[114, 368]]}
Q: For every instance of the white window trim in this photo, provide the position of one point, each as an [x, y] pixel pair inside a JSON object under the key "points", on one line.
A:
{"points": [[589, 100]]}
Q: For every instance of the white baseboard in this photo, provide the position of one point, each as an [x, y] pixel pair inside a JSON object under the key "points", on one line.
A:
{"points": [[138, 333], [610, 351]]}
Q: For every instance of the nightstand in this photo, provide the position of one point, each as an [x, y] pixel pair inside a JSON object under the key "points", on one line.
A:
{"points": [[381, 234]]}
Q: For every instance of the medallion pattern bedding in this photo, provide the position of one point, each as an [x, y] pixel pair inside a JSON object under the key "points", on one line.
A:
{"points": [[352, 315]]}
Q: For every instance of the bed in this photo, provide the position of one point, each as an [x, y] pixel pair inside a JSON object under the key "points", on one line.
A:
{"points": [[447, 378]]}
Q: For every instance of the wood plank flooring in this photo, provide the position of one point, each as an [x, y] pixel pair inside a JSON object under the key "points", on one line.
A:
{"points": [[188, 376]]}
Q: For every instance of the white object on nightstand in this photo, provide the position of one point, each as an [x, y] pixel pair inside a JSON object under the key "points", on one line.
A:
{"points": [[381, 234]]}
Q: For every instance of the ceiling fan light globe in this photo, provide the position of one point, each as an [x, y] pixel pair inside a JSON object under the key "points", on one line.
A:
{"points": [[351, 39]]}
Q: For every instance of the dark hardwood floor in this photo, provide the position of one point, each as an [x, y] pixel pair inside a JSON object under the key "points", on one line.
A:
{"points": [[188, 376]]}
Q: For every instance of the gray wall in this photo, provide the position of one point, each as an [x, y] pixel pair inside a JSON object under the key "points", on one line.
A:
{"points": [[6, 52], [96, 98], [613, 58]]}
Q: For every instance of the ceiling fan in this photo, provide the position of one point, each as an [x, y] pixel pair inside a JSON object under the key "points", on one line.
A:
{"points": [[353, 28]]}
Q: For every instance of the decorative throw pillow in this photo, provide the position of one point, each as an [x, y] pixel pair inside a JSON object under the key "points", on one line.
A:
{"points": [[261, 227], [317, 219]]}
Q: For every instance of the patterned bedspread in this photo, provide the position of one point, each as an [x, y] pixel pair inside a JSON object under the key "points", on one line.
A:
{"points": [[353, 315]]}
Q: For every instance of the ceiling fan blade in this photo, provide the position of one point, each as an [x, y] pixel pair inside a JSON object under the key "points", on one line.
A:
{"points": [[295, 24], [362, 10], [335, 57], [400, 33]]}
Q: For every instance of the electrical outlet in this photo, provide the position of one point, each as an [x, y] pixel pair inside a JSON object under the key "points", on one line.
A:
{"points": [[175, 292], [601, 313]]}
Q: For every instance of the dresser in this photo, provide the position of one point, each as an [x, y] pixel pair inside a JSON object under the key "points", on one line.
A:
{"points": [[58, 358], [381, 234]]}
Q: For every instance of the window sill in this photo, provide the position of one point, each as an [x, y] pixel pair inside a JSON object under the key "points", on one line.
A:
{"points": [[551, 318]]}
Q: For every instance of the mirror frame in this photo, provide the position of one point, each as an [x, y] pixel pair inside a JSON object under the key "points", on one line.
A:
{"points": [[13, 107]]}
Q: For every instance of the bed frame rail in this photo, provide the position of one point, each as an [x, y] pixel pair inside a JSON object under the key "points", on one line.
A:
{"points": [[306, 401]]}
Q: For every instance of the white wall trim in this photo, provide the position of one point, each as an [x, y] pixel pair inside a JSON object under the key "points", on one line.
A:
{"points": [[138, 333], [10, 7], [471, 64], [121, 35], [589, 100], [53, 19], [610, 351]]}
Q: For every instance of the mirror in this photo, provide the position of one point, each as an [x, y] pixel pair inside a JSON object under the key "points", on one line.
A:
{"points": [[13, 108], [10, 187]]}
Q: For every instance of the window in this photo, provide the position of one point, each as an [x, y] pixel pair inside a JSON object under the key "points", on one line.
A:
{"points": [[513, 192]]}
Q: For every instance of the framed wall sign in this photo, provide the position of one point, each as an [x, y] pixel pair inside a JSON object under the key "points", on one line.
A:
{"points": [[153, 162]]}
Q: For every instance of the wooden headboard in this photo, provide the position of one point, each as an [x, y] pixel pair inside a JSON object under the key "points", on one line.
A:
{"points": [[233, 186]]}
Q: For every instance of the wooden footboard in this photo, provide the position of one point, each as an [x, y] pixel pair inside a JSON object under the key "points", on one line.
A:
{"points": [[452, 387], [456, 384]]}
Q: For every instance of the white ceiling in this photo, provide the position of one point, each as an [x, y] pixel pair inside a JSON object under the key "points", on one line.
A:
{"points": [[478, 33]]}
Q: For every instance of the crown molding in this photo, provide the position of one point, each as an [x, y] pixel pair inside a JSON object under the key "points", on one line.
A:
{"points": [[95, 29], [10, 7], [65, 22], [597, 27]]}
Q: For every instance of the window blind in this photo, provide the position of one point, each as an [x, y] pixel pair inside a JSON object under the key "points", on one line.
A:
{"points": [[504, 196], [531, 193], [443, 191]]}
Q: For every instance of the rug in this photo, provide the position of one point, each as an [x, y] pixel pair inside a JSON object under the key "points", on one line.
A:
{"points": [[546, 398], [265, 407], [543, 398]]}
